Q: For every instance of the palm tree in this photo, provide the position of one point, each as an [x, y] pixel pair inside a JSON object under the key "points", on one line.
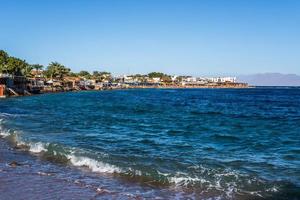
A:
{"points": [[27, 71], [56, 70]]}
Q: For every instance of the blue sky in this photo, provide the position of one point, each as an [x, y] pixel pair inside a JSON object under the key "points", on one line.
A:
{"points": [[209, 37]]}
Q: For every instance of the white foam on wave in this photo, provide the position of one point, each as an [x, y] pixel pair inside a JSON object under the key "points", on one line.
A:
{"points": [[37, 147], [79, 161], [93, 165], [182, 181], [10, 115], [134, 172], [4, 133], [16, 138], [226, 181]]}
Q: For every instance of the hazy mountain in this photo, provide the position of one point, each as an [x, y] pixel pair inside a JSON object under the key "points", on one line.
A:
{"points": [[271, 79]]}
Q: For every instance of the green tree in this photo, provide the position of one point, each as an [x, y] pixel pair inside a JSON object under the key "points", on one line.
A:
{"points": [[15, 66], [72, 74], [84, 74], [37, 67], [11, 65], [101, 76], [27, 71], [96, 74], [56, 70], [3, 61], [156, 75], [105, 76]]}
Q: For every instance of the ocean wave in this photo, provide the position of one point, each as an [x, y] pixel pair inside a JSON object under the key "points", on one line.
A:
{"points": [[38, 147], [228, 181], [54, 150], [185, 180], [93, 165], [9, 134], [10, 115], [4, 133]]}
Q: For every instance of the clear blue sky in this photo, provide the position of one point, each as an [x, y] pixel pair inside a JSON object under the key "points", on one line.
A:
{"points": [[225, 37]]}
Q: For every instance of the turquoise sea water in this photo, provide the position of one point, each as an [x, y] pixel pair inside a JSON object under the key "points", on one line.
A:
{"points": [[199, 143]]}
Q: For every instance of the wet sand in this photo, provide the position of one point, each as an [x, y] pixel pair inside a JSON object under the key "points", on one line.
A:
{"points": [[23, 176]]}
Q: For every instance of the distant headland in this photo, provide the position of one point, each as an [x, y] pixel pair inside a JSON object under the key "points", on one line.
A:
{"points": [[17, 77], [271, 79]]}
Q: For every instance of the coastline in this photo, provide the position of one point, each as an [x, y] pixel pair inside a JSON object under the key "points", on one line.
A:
{"points": [[62, 90]]}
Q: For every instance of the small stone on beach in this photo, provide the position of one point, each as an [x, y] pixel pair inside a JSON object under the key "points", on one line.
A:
{"points": [[14, 164]]}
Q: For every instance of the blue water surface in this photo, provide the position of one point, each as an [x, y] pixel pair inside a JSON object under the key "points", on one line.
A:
{"points": [[212, 142]]}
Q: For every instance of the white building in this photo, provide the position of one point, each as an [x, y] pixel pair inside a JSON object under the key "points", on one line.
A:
{"points": [[191, 79], [174, 78], [156, 80], [222, 79]]}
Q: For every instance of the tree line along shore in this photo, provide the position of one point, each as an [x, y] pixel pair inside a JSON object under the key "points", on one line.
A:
{"points": [[17, 77]]}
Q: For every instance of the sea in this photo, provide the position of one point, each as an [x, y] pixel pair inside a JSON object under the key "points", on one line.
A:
{"points": [[152, 144]]}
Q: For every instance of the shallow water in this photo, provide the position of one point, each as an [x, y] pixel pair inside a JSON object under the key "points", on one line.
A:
{"points": [[195, 143]]}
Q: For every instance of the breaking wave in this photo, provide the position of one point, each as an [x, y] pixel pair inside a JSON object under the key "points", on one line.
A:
{"points": [[56, 151], [228, 181], [93, 165], [37, 147]]}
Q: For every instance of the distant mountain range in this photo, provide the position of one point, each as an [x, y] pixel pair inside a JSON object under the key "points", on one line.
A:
{"points": [[270, 79]]}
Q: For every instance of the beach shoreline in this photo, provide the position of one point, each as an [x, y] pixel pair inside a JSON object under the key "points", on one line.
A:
{"points": [[27, 175], [24, 176]]}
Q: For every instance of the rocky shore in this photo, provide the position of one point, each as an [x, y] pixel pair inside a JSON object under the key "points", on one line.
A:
{"points": [[62, 89]]}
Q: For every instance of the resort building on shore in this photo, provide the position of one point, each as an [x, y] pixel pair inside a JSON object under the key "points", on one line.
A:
{"points": [[20, 85], [207, 80]]}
